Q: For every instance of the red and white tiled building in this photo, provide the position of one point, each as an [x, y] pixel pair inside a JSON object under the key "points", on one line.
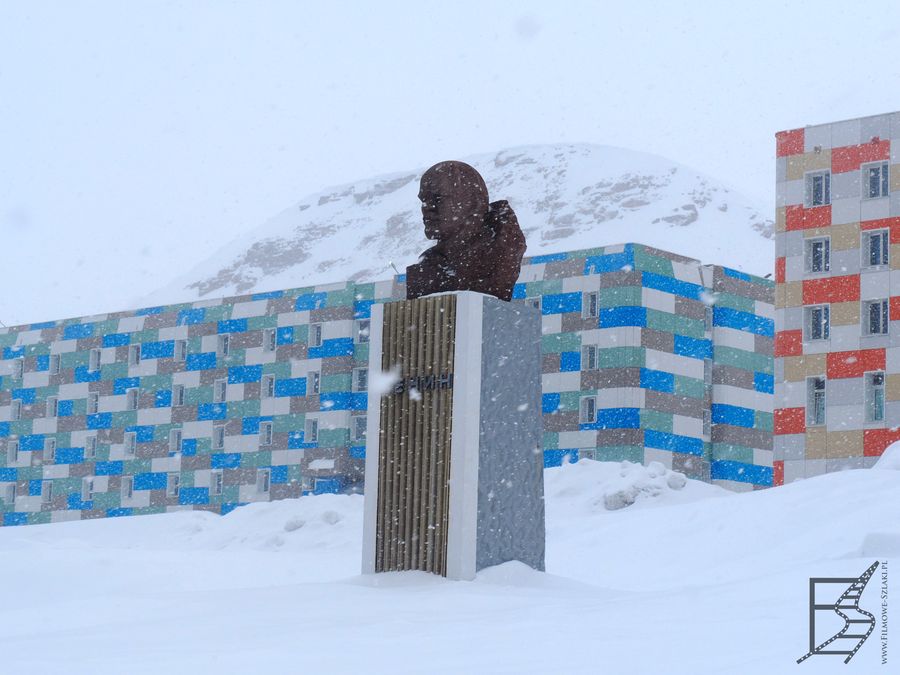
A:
{"points": [[837, 296]]}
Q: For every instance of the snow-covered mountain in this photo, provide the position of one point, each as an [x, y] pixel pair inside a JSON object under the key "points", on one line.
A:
{"points": [[567, 197]]}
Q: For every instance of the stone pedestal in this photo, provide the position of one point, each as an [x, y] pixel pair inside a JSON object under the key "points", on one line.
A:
{"points": [[454, 468]]}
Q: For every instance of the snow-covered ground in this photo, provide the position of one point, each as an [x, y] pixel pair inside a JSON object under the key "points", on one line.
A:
{"points": [[688, 578]]}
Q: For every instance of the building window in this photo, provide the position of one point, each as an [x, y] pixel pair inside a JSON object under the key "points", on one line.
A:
{"points": [[223, 347], [818, 255], [12, 453], [311, 434], [591, 305], [359, 428], [46, 492], [817, 322], [360, 379], [9, 494], [270, 340], [363, 328], [87, 489], [94, 360], [876, 248], [265, 433], [312, 382], [315, 335], [307, 483], [54, 364], [130, 443], [216, 482], [875, 180], [589, 357], [52, 406], [268, 386], [815, 401], [127, 487], [218, 437], [178, 395], [173, 482], [588, 410], [181, 350], [18, 369], [15, 410], [50, 450], [263, 481], [93, 404], [134, 355], [90, 447], [131, 399], [876, 317], [175, 440], [818, 188], [875, 397], [535, 302], [220, 388]]}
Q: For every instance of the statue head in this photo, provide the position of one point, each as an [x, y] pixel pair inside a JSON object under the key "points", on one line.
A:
{"points": [[454, 200]]}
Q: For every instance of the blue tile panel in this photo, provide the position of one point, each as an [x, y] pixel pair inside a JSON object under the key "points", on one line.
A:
{"points": [[661, 359]]}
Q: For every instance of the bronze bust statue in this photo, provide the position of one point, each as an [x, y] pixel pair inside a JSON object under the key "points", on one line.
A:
{"points": [[479, 244]]}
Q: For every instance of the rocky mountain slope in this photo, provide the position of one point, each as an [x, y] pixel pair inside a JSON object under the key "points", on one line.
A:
{"points": [[567, 197]]}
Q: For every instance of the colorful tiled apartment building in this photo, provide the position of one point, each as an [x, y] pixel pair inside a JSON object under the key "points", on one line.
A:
{"points": [[647, 356], [837, 298]]}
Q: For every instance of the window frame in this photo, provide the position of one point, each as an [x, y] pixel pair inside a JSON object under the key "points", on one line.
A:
{"points": [[223, 345], [586, 352], [173, 485], [263, 481], [587, 410], [180, 355], [357, 436], [884, 179], [132, 398], [178, 395], [134, 355], [55, 364], [46, 492], [266, 433], [126, 489], [220, 390], [865, 247], [267, 386], [591, 307], [129, 443], [313, 383], [824, 323], [95, 358], [809, 188], [15, 410], [216, 483], [311, 423], [808, 255], [13, 448], [18, 369], [90, 446], [218, 439], [871, 399], [175, 445], [363, 331], [87, 488], [8, 495], [93, 402], [48, 454], [884, 317], [52, 406], [812, 419], [315, 331], [270, 340], [359, 382]]}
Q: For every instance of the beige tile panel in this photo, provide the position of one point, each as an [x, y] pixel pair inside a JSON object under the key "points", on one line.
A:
{"points": [[789, 294], [892, 388], [815, 443], [895, 256], [845, 444], [797, 165], [798, 368], [895, 177], [844, 313], [844, 236], [780, 220]]}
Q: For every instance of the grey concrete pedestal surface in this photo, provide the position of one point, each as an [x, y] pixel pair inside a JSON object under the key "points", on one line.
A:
{"points": [[454, 468]]}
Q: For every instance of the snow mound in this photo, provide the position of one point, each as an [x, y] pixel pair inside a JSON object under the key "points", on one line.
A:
{"points": [[890, 459], [610, 486]]}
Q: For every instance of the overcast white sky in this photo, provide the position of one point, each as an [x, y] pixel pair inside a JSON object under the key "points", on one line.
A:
{"points": [[135, 138]]}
